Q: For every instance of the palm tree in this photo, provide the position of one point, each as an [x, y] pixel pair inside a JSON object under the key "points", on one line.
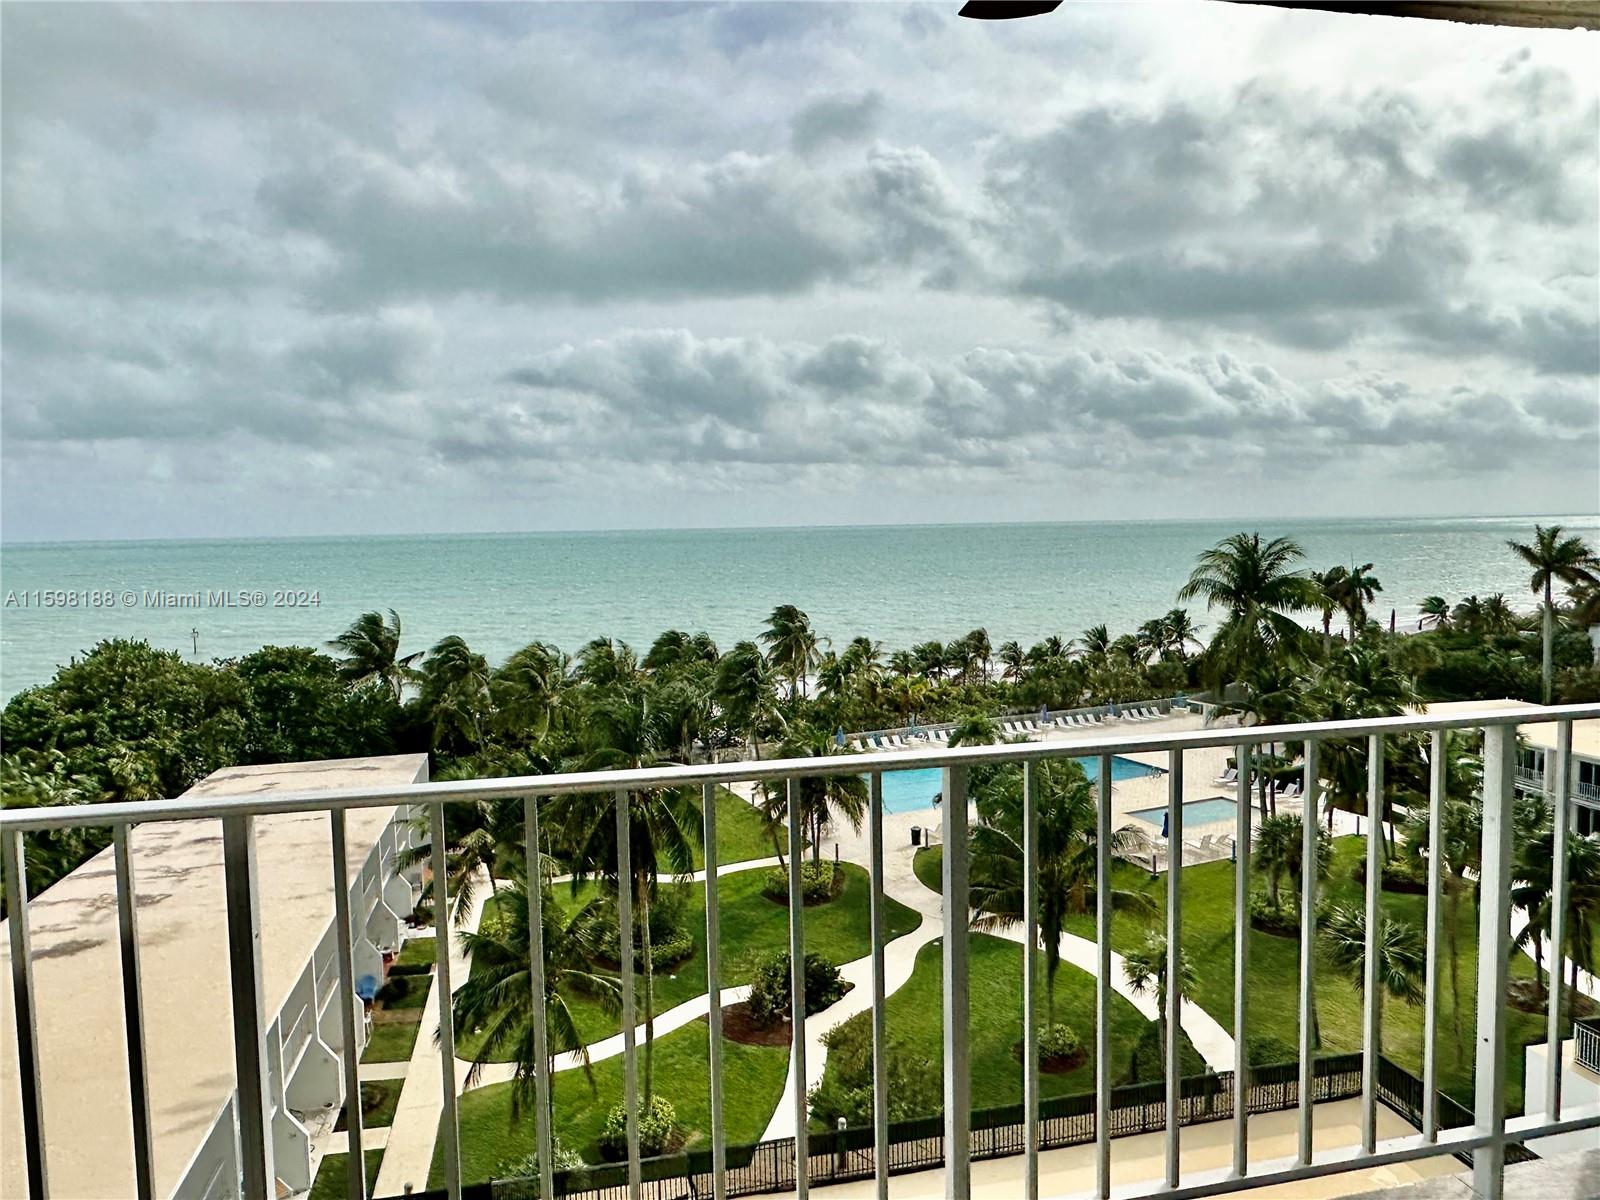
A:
{"points": [[1181, 633], [1144, 966], [1273, 694], [978, 646], [1015, 659], [626, 730], [823, 798], [1399, 944], [930, 659], [604, 663], [743, 689], [1096, 642], [496, 998], [1554, 557], [973, 729], [1252, 582], [1357, 683], [1532, 890], [1066, 805], [1585, 613], [1329, 586], [1280, 847], [1357, 589], [371, 649], [674, 649], [529, 690], [1436, 611], [480, 836], [791, 645], [454, 692]]}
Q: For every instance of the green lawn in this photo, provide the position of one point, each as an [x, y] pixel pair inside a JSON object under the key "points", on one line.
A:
{"points": [[741, 832], [330, 1182], [405, 992], [926, 865], [752, 1078], [752, 925], [1208, 924], [417, 957], [378, 1100], [916, 1020], [392, 1041]]}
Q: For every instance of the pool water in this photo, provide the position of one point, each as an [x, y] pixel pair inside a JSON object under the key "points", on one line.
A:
{"points": [[1195, 812], [909, 791]]}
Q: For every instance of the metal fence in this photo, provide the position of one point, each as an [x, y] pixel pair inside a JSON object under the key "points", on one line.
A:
{"points": [[956, 1136], [1586, 1038]]}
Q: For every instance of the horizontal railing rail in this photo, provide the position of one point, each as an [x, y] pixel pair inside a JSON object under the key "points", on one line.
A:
{"points": [[959, 1136]]}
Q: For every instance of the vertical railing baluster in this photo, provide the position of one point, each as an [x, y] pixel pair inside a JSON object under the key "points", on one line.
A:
{"points": [[350, 1030], [133, 1015], [880, 1019], [544, 1136], [1174, 998], [1494, 942], [957, 1030], [630, 1058], [1438, 748], [1030, 971], [797, 992], [1241, 961], [243, 904], [1559, 888], [1102, 983], [719, 1129], [14, 858], [1310, 835], [1371, 1032], [449, 1123]]}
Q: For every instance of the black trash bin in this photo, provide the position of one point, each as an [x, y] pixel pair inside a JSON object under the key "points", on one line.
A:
{"points": [[916, 835]]}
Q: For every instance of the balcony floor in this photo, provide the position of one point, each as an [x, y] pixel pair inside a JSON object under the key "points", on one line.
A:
{"points": [[1564, 1177]]}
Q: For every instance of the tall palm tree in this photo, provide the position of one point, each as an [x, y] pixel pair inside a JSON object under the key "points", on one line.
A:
{"points": [[930, 658], [454, 692], [480, 836], [1181, 633], [1066, 806], [1014, 659], [604, 663], [1358, 588], [973, 729], [627, 730], [1436, 611], [1554, 557], [1585, 613], [823, 799], [1329, 586], [903, 664], [1280, 847], [1144, 966], [1096, 642], [1533, 888], [1253, 582], [371, 650], [792, 646], [1399, 944], [743, 689], [497, 999], [978, 646], [529, 690]]}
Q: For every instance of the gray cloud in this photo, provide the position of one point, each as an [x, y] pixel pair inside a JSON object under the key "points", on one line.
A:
{"points": [[835, 119]]}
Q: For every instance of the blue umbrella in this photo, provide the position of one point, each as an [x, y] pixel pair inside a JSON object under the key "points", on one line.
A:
{"points": [[367, 987], [1164, 817], [838, 736]]}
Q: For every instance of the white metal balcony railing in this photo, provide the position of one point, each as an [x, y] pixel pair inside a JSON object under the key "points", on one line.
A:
{"points": [[1485, 1139], [1533, 778]]}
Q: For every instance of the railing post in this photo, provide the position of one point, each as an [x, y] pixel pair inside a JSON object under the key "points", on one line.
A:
{"points": [[1102, 983], [630, 1061], [13, 858], [249, 1008], [350, 1059], [1241, 962], [880, 1020], [1437, 775], [133, 1015], [544, 1138], [1371, 1030], [797, 991], [1494, 944], [957, 1067], [719, 1133], [450, 1128], [1310, 843], [1174, 1013], [1030, 971], [1559, 887]]}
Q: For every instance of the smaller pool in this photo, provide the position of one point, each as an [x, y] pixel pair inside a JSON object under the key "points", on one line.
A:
{"points": [[908, 791], [1195, 812]]}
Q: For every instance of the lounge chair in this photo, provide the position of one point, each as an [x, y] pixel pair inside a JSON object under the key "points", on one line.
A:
{"points": [[1290, 791], [1231, 775]]}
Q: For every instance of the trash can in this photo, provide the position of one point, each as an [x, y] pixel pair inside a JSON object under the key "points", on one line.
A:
{"points": [[916, 835]]}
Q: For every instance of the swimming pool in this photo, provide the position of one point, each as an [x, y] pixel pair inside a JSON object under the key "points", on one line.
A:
{"points": [[1195, 812], [908, 791]]}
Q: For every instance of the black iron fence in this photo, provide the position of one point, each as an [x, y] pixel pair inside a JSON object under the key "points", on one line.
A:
{"points": [[1402, 1091]]}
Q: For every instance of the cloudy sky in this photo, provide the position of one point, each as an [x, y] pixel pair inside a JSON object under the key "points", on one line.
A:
{"points": [[351, 268]]}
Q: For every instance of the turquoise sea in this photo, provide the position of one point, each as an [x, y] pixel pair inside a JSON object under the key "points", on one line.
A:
{"points": [[900, 584]]}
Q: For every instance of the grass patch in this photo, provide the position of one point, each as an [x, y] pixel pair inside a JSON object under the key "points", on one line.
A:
{"points": [[742, 832], [752, 925], [405, 993], [392, 1041], [416, 957], [330, 1183], [927, 865], [752, 1076], [916, 1021], [378, 1100]]}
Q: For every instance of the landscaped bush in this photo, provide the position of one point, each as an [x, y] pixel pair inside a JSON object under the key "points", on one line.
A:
{"points": [[914, 1084], [1280, 918], [658, 1130], [526, 1166], [394, 990], [819, 882], [671, 939], [1058, 1042], [1149, 1062], [769, 988], [1400, 874]]}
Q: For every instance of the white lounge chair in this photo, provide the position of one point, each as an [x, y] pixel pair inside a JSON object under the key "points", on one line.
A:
{"points": [[1290, 791], [1231, 775]]}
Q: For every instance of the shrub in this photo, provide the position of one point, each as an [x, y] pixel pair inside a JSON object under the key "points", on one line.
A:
{"points": [[1150, 1057], [1058, 1041], [1400, 874], [671, 940], [658, 1129], [914, 1084], [769, 987], [396, 989], [1280, 917], [526, 1166], [818, 882]]}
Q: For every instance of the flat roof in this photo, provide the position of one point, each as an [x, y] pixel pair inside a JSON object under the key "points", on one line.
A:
{"points": [[1585, 734], [183, 943]]}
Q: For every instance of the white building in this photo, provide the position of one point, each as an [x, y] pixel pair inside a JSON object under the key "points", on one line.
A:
{"points": [[183, 943]]}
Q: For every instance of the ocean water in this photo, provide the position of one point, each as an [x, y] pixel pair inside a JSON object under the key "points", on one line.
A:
{"points": [[899, 585]]}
